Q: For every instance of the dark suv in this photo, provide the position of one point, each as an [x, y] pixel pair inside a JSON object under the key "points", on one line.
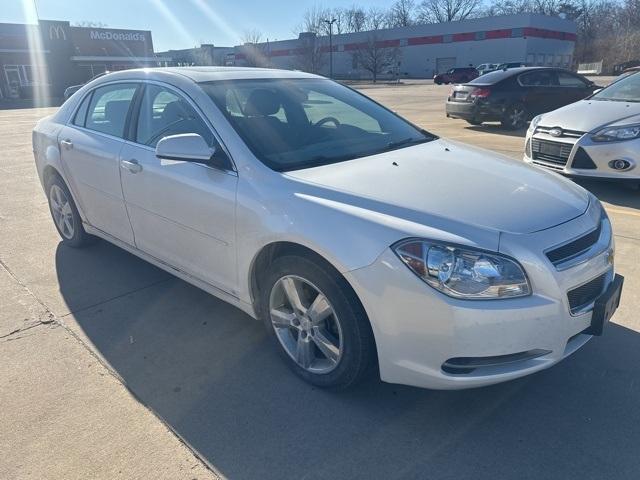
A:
{"points": [[456, 75]]}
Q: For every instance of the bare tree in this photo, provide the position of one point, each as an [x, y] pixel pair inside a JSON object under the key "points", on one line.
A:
{"points": [[313, 20], [375, 19], [356, 19], [438, 11], [373, 56], [89, 24], [310, 57], [401, 13], [254, 50]]}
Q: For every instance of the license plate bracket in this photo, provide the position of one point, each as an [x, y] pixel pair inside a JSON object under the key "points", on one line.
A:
{"points": [[550, 149], [605, 306]]}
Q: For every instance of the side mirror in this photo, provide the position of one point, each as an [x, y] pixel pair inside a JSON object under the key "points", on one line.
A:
{"points": [[190, 147]]}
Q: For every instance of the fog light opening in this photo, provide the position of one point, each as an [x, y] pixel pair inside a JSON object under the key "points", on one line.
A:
{"points": [[620, 164]]}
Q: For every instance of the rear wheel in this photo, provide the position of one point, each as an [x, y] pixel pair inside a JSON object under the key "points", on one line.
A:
{"points": [[317, 322], [474, 121], [65, 214], [514, 117]]}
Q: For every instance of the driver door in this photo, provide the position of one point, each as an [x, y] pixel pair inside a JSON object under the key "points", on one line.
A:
{"points": [[182, 213]]}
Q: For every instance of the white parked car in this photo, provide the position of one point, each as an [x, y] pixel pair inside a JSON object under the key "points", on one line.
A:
{"points": [[358, 238], [598, 137]]}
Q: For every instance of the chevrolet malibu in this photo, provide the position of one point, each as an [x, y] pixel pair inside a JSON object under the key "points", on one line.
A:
{"points": [[364, 243]]}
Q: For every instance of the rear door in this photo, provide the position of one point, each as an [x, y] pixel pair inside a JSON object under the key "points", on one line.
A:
{"points": [[182, 213], [541, 93], [90, 149]]}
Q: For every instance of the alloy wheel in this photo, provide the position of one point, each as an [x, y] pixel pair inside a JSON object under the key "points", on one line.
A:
{"points": [[516, 116], [61, 211], [306, 324]]}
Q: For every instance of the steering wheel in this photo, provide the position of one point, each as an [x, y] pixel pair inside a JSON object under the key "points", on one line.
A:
{"points": [[324, 120]]}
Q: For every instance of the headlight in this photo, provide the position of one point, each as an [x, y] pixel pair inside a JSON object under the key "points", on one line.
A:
{"points": [[616, 134], [534, 123], [464, 272]]}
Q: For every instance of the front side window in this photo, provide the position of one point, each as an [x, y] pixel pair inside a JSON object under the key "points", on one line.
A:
{"points": [[567, 80], [109, 108], [163, 113], [298, 123], [624, 90]]}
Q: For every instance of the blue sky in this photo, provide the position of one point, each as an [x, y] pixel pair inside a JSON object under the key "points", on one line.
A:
{"points": [[180, 23]]}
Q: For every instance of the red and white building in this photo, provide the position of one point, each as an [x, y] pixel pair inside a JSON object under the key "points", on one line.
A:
{"points": [[425, 50]]}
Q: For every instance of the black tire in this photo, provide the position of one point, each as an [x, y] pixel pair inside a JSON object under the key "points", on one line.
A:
{"points": [[78, 237], [514, 117], [438, 82], [473, 121], [358, 352]]}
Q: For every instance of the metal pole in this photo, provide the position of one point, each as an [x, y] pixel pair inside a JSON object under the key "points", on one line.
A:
{"points": [[330, 23], [330, 50]]}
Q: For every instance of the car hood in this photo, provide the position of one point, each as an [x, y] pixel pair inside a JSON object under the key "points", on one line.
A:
{"points": [[589, 115], [450, 181]]}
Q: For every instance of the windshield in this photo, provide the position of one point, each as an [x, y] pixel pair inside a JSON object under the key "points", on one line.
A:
{"points": [[624, 90], [298, 123]]}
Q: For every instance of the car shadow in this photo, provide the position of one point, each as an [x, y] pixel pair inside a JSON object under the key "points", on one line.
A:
{"points": [[615, 193], [211, 373], [497, 129]]}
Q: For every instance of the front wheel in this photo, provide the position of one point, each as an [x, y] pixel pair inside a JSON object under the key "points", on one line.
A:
{"points": [[317, 322], [514, 117]]}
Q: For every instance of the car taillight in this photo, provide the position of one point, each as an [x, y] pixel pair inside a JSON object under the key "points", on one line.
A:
{"points": [[480, 93]]}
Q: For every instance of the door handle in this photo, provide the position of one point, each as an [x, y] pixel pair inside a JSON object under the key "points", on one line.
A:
{"points": [[68, 144], [132, 165]]}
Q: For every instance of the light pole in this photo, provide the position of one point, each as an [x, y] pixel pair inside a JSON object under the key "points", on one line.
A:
{"points": [[330, 23]]}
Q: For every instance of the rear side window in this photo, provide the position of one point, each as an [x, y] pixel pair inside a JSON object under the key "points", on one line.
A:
{"points": [[108, 108], [163, 113], [81, 115]]}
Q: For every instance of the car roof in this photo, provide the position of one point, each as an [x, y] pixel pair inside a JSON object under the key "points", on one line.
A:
{"points": [[204, 74], [502, 74]]}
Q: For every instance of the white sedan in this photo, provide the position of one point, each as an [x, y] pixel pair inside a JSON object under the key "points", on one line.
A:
{"points": [[598, 137], [363, 242]]}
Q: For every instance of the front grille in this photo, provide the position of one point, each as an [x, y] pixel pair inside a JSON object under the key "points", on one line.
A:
{"points": [[574, 248], [584, 295], [556, 153]]}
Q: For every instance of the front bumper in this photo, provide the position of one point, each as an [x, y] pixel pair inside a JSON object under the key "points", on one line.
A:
{"points": [[418, 330], [582, 157]]}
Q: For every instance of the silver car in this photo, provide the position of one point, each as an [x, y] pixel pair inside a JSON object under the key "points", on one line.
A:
{"points": [[363, 242], [596, 137]]}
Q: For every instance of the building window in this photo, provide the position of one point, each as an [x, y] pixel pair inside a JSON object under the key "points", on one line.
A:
{"points": [[516, 32], [549, 59], [447, 38], [531, 59], [540, 61], [481, 35], [567, 61], [404, 42]]}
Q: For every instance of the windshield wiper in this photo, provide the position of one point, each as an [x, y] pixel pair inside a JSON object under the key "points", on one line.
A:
{"points": [[406, 142]]}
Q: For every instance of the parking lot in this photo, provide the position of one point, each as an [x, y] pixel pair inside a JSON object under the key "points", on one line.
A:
{"points": [[112, 368]]}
